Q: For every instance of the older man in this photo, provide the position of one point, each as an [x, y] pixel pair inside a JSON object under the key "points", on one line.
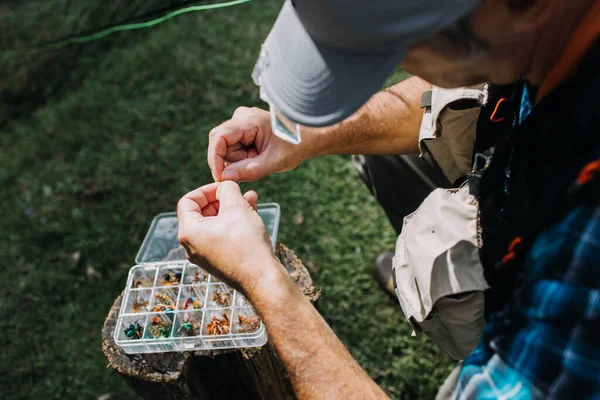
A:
{"points": [[532, 192]]}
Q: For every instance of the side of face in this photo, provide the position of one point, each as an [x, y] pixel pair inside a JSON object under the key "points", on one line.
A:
{"points": [[508, 34]]}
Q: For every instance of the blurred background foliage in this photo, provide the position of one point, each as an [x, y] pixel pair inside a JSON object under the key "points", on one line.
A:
{"points": [[96, 139], [32, 77]]}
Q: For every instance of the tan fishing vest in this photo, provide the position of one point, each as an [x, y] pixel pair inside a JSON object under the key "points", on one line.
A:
{"points": [[438, 274]]}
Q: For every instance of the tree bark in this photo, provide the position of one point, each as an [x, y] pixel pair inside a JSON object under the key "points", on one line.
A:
{"points": [[253, 373]]}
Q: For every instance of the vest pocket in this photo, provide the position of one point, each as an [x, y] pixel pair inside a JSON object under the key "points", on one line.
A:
{"points": [[455, 324], [452, 146], [439, 276]]}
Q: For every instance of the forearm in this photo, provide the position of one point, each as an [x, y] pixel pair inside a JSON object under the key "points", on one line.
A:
{"points": [[317, 362], [388, 124]]}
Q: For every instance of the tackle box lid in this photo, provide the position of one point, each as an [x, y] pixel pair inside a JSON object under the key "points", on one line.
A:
{"points": [[161, 243]]}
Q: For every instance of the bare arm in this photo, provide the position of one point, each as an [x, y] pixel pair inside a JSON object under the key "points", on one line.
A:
{"points": [[388, 124], [216, 218], [317, 362]]}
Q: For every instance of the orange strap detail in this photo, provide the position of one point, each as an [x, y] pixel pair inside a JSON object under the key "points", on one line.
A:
{"points": [[508, 257], [515, 242], [588, 172], [493, 117], [511, 249]]}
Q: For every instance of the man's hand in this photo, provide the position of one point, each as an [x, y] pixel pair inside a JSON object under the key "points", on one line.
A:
{"points": [[245, 148], [221, 230]]}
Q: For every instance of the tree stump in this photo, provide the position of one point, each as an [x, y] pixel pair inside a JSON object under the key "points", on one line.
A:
{"points": [[253, 373]]}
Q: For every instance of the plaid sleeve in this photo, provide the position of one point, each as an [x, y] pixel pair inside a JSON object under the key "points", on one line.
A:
{"points": [[546, 342]]}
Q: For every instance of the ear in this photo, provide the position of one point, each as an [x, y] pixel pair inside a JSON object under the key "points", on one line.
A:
{"points": [[529, 14]]}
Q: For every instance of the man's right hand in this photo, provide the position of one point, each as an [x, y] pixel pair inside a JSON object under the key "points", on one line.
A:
{"points": [[244, 148]]}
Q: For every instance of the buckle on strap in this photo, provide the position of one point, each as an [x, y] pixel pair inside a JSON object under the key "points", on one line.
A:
{"points": [[481, 164]]}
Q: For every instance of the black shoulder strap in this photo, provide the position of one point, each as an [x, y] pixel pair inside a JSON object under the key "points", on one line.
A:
{"points": [[493, 148]]}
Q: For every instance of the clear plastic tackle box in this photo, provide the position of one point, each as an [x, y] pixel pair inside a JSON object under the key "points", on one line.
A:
{"points": [[170, 304]]}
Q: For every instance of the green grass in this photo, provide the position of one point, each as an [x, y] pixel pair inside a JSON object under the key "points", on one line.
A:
{"points": [[87, 171]]}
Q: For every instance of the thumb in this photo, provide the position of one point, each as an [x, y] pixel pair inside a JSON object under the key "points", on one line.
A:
{"points": [[229, 195], [249, 169]]}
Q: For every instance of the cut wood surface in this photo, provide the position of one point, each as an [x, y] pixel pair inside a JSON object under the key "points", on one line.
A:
{"points": [[253, 373]]}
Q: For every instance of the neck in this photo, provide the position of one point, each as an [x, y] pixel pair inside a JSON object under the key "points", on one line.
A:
{"points": [[553, 36]]}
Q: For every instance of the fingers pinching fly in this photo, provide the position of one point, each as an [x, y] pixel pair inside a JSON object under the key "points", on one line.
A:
{"points": [[216, 218], [227, 142], [193, 203], [192, 210], [229, 195]]}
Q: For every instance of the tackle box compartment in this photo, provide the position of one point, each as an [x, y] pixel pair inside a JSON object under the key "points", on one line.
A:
{"points": [[170, 304]]}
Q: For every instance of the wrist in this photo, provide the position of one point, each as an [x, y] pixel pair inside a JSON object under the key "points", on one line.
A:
{"points": [[316, 142], [273, 286]]}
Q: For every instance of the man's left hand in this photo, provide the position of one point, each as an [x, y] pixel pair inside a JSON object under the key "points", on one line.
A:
{"points": [[222, 231]]}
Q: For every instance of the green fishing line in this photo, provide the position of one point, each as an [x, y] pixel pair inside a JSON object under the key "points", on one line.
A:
{"points": [[129, 27]]}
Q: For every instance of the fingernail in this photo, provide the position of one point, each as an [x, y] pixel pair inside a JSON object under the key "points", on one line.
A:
{"points": [[230, 176]]}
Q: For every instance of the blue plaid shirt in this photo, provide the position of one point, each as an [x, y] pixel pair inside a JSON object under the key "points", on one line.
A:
{"points": [[555, 350]]}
